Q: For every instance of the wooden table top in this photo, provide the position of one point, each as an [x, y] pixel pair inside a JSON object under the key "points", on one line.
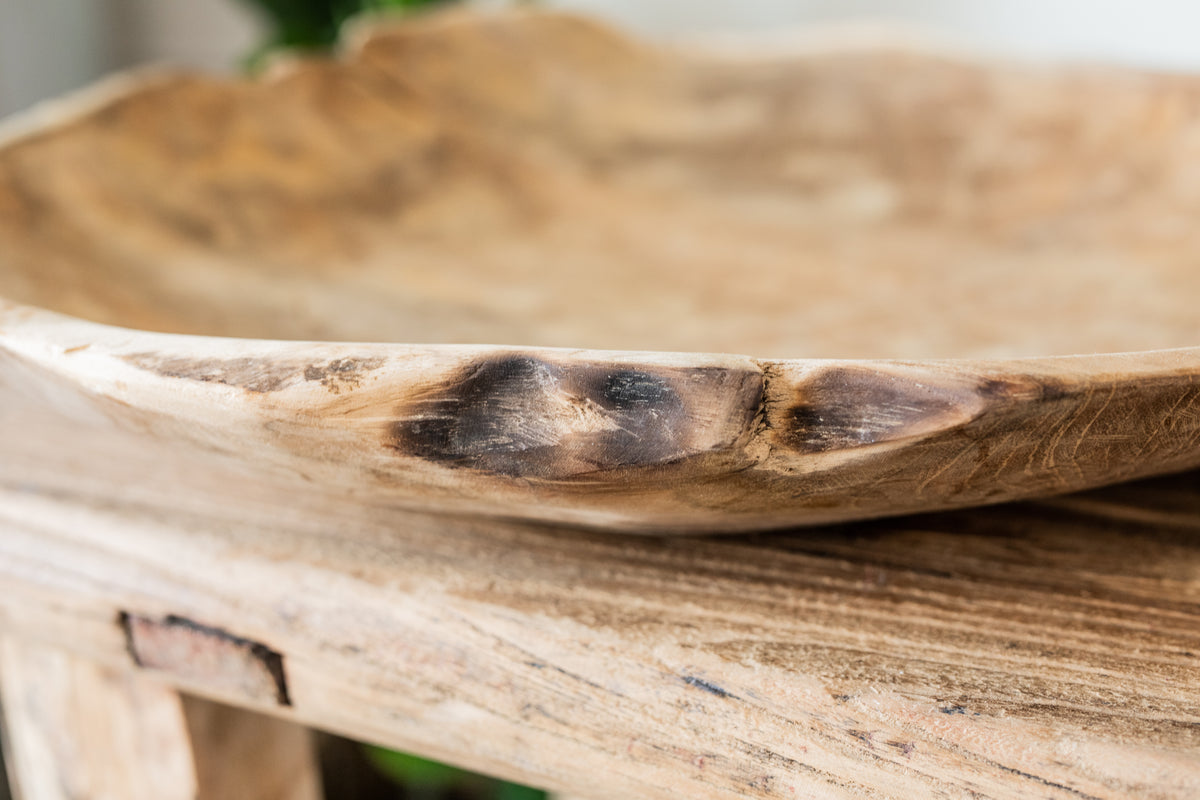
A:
{"points": [[1046, 649]]}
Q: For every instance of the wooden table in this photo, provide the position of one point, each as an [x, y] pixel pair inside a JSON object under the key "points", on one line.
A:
{"points": [[1046, 649]]}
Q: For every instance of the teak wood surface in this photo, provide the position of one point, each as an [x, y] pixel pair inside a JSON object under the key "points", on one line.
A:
{"points": [[562, 225], [77, 730], [552, 239], [1047, 649]]}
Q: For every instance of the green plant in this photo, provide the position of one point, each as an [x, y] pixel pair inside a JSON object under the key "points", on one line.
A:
{"points": [[316, 24], [429, 780]]}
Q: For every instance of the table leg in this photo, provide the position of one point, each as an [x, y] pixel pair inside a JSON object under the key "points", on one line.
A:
{"points": [[82, 731]]}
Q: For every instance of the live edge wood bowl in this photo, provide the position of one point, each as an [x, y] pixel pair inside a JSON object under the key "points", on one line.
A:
{"points": [[953, 282]]}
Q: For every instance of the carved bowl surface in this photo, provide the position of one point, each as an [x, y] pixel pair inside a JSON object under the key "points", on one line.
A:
{"points": [[549, 233]]}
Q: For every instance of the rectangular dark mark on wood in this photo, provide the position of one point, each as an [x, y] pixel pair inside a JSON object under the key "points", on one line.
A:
{"points": [[207, 657]]}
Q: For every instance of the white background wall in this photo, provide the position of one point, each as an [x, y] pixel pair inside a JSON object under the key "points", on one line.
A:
{"points": [[47, 47], [50, 46], [1162, 33]]}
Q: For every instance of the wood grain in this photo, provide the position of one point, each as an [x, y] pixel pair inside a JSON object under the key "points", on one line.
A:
{"points": [[1045, 649], [537, 179], [242, 755], [632, 441], [565, 229], [77, 730], [480, 186]]}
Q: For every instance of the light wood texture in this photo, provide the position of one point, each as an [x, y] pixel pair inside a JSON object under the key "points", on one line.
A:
{"points": [[535, 179], [244, 755], [77, 730], [1045, 650], [238, 517], [528, 179], [389, 196], [635, 441]]}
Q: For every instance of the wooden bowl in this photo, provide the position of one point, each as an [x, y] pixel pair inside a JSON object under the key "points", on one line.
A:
{"points": [[561, 225]]}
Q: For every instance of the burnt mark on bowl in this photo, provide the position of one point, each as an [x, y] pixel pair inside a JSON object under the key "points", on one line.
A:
{"points": [[259, 375], [524, 416], [840, 408], [256, 375], [341, 373]]}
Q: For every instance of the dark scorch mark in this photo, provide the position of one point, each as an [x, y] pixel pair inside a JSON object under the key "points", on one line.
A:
{"points": [[522, 416], [846, 407]]}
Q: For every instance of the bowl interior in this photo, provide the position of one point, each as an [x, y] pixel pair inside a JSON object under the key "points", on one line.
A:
{"points": [[536, 179]]}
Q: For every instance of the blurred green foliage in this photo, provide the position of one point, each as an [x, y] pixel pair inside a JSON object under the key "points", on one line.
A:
{"points": [[316, 24], [429, 780]]}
